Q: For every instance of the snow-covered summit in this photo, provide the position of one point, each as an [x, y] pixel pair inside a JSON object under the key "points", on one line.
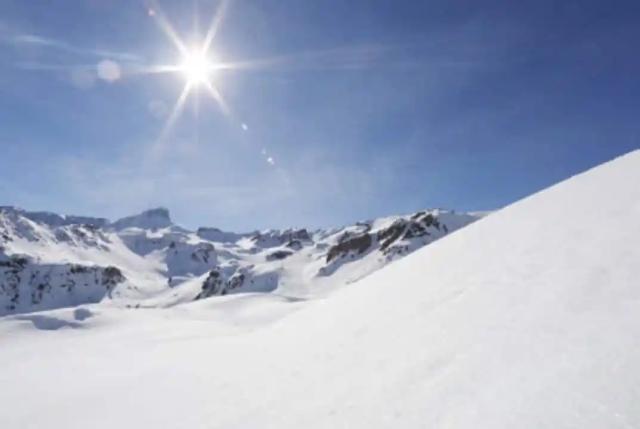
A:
{"points": [[149, 219]]}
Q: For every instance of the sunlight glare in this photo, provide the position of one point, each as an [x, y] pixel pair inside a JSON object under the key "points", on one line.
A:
{"points": [[197, 68]]}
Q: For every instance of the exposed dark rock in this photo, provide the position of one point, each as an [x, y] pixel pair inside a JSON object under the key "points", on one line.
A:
{"points": [[205, 229], [14, 261], [21, 278], [415, 230], [283, 236], [203, 253], [90, 227], [112, 276], [279, 255], [358, 244], [236, 281], [430, 220], [364, 224], [294, 244], [416, 226], [80, 269], [213, 285], [300, 234], [389, 235]]}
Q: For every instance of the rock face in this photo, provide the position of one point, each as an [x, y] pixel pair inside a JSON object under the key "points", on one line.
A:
{"points": [[294, 245], [27, 285], [278, 255], [216, 284], [213, 285], [394, 238], [358, 244], [185, 259], [49, 261], [273, 238]]}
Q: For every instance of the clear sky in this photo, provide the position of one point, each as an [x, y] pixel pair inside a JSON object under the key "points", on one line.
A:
{"points": [[341, 110]]}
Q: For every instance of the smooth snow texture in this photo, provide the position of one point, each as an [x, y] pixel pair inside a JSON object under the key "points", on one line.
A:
{"points": [[527, 318]]}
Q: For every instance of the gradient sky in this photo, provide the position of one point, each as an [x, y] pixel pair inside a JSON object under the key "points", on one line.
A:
{"points": [[353, 109]]}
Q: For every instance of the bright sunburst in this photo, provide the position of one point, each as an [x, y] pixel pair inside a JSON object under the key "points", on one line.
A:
{"points": [[197, 68], [196, 65]]}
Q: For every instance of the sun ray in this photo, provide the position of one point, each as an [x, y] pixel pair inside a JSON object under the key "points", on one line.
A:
{"points": [[213, 29], [155, 69], [197, 66], [167, 28], [344, 57], [218, 97], [196, 116], [175, 112]]}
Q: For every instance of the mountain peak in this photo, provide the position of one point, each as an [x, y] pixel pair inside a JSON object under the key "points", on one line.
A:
{"points": [[158, 212], [149, 219], [54, 219]]}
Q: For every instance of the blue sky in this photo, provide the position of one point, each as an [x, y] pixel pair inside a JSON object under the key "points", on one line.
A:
{"points": [[353, 109]]}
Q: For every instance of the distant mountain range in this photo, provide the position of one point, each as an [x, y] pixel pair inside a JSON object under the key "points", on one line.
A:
{"points": [[49, 261]]}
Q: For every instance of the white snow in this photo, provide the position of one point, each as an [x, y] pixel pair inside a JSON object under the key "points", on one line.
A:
{"points": [[526, 318]]}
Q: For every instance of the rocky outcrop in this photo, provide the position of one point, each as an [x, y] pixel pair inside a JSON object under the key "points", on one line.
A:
{"points": [[83, 236], [235, 281], [217, 235], [358, 244], [416, 226], [294, 245], [184, 259], [279, 255], [276, 237], [203, 253], [215, 284], [111, 277], [26, 285], [397, 238]]}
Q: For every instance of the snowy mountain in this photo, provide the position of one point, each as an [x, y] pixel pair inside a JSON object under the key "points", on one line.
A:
{"points": [[53, 219], [49, 261], [526, 318]]}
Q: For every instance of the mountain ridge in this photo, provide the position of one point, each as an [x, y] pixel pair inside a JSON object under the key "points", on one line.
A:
{"points": [[49, 261]]}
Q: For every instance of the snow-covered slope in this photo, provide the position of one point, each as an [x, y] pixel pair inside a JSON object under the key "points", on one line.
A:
{"points": [[528, 318], [49, 261]]}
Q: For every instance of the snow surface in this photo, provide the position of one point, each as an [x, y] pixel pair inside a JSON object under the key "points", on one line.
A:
{"points": [[526, 318]]}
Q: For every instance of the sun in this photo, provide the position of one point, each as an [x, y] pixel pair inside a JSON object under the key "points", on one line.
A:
{"points": [[197, 67]]}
